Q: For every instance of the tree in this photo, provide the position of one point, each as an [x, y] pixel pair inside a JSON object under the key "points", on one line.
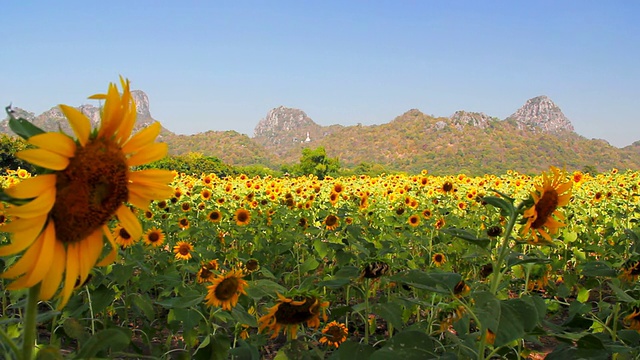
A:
{"points": [[316, 162]]}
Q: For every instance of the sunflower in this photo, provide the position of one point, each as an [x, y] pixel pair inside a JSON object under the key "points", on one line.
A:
{"points": [[62, 228], [335, 333], [630, 271], [122, 237], [252, 265], [23, 174], [183, 250], [439, 259], [551, 194], [331, 222], [215, 216], [148, 214], [183, 222], [185, 206], [226, 290], [461, 289], [288, 313], [154, 237], [205, 194], [632, 321], [243, 217], [414, 220], [206, 271], [440, 223]]}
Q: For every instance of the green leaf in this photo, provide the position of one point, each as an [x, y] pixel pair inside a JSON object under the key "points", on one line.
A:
{"points": [[74, 329], [114, 338], [390, 312], [181, 302], [264, 288], [598, 268], [487, 309], [407, 345], [440, 282], [354, 351], [310, 264], [244, 351], [468, 236], [101, 297], [321, 248], [143, 303], [48, 352], [348, 272], [213, 347], [334, 283], [506, 206], [24, 128], [583, 295]]}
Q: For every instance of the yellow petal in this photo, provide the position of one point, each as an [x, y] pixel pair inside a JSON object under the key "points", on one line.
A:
{"points": [[151, 191], [141, 202], [111, 256], [51, 281], [27, 261], [36, 207], [129, 221], [152, 175], [80, 124], [43, 261], [147, 154], [25, 231], [90, 248], [55, 142], [44, 158], [71, 274], [111, 113], [142, 138], [32, 187]]}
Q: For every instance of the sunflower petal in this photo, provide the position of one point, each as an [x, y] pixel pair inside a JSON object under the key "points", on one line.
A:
{"points": [[147, 154], [44, 158], [51, 281], [27, 261], [43, 261], [71, 274], [111, 256], [36, 207], [79, 122], [32, 187], [25, 231], [55, 142], [129, 221], [147, 176], [142, 138]]}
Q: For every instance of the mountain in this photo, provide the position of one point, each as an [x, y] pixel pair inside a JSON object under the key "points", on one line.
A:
{"points": [[535, 136], [53, 119], [543, 114]]}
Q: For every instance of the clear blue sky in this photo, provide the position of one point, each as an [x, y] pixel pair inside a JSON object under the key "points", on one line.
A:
{"points": [[222, 65]]}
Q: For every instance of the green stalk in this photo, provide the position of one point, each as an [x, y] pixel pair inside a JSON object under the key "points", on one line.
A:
{"points": [[31, 311], [504, 247]]}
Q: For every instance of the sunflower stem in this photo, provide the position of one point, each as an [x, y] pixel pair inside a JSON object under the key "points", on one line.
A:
{"points": [[31, 311], [504, 247]]}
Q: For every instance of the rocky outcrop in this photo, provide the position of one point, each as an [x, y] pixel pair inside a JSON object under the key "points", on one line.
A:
{"points": [[54, 120], [479, 120], [540, 113]]}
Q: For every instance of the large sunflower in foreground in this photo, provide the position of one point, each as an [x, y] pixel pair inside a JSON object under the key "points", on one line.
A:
{"points": [[288, 313], [63, 226], [226, 290], [555, 191]]}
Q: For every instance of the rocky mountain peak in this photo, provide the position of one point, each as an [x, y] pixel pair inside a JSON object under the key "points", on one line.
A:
{"points": [[541, 113], [282, 119], [480, 120], [142, 103]]}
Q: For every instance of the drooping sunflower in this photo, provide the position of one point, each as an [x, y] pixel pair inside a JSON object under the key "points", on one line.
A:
{"points": [[122, 237], [243, 217], [335, 333], [154, 237], [226, 289], [288, 313], [183, 250], [205, 273], [555, 191], [62, 228]]}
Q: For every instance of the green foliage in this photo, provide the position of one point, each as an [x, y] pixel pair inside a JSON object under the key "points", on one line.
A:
{"points": [[8, 148], [316, 162], [193, 164]]}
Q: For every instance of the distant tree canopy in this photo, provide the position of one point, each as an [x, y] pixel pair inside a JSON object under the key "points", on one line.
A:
{"points": [[8, 148], [194, 164], [314, 162]]}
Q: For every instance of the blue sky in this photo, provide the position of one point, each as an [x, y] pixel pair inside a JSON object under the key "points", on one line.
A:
{"points": [[214, 65]]}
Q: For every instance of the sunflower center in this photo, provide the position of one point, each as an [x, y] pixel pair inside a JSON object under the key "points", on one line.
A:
{"points": [[153, 236], [227, 288], [90, 190], [184, 250], [547, 204], [335, 333], [288, 314]]}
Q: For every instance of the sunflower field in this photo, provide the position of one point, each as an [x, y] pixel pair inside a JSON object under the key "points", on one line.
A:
{"points": [[101, 259]]}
